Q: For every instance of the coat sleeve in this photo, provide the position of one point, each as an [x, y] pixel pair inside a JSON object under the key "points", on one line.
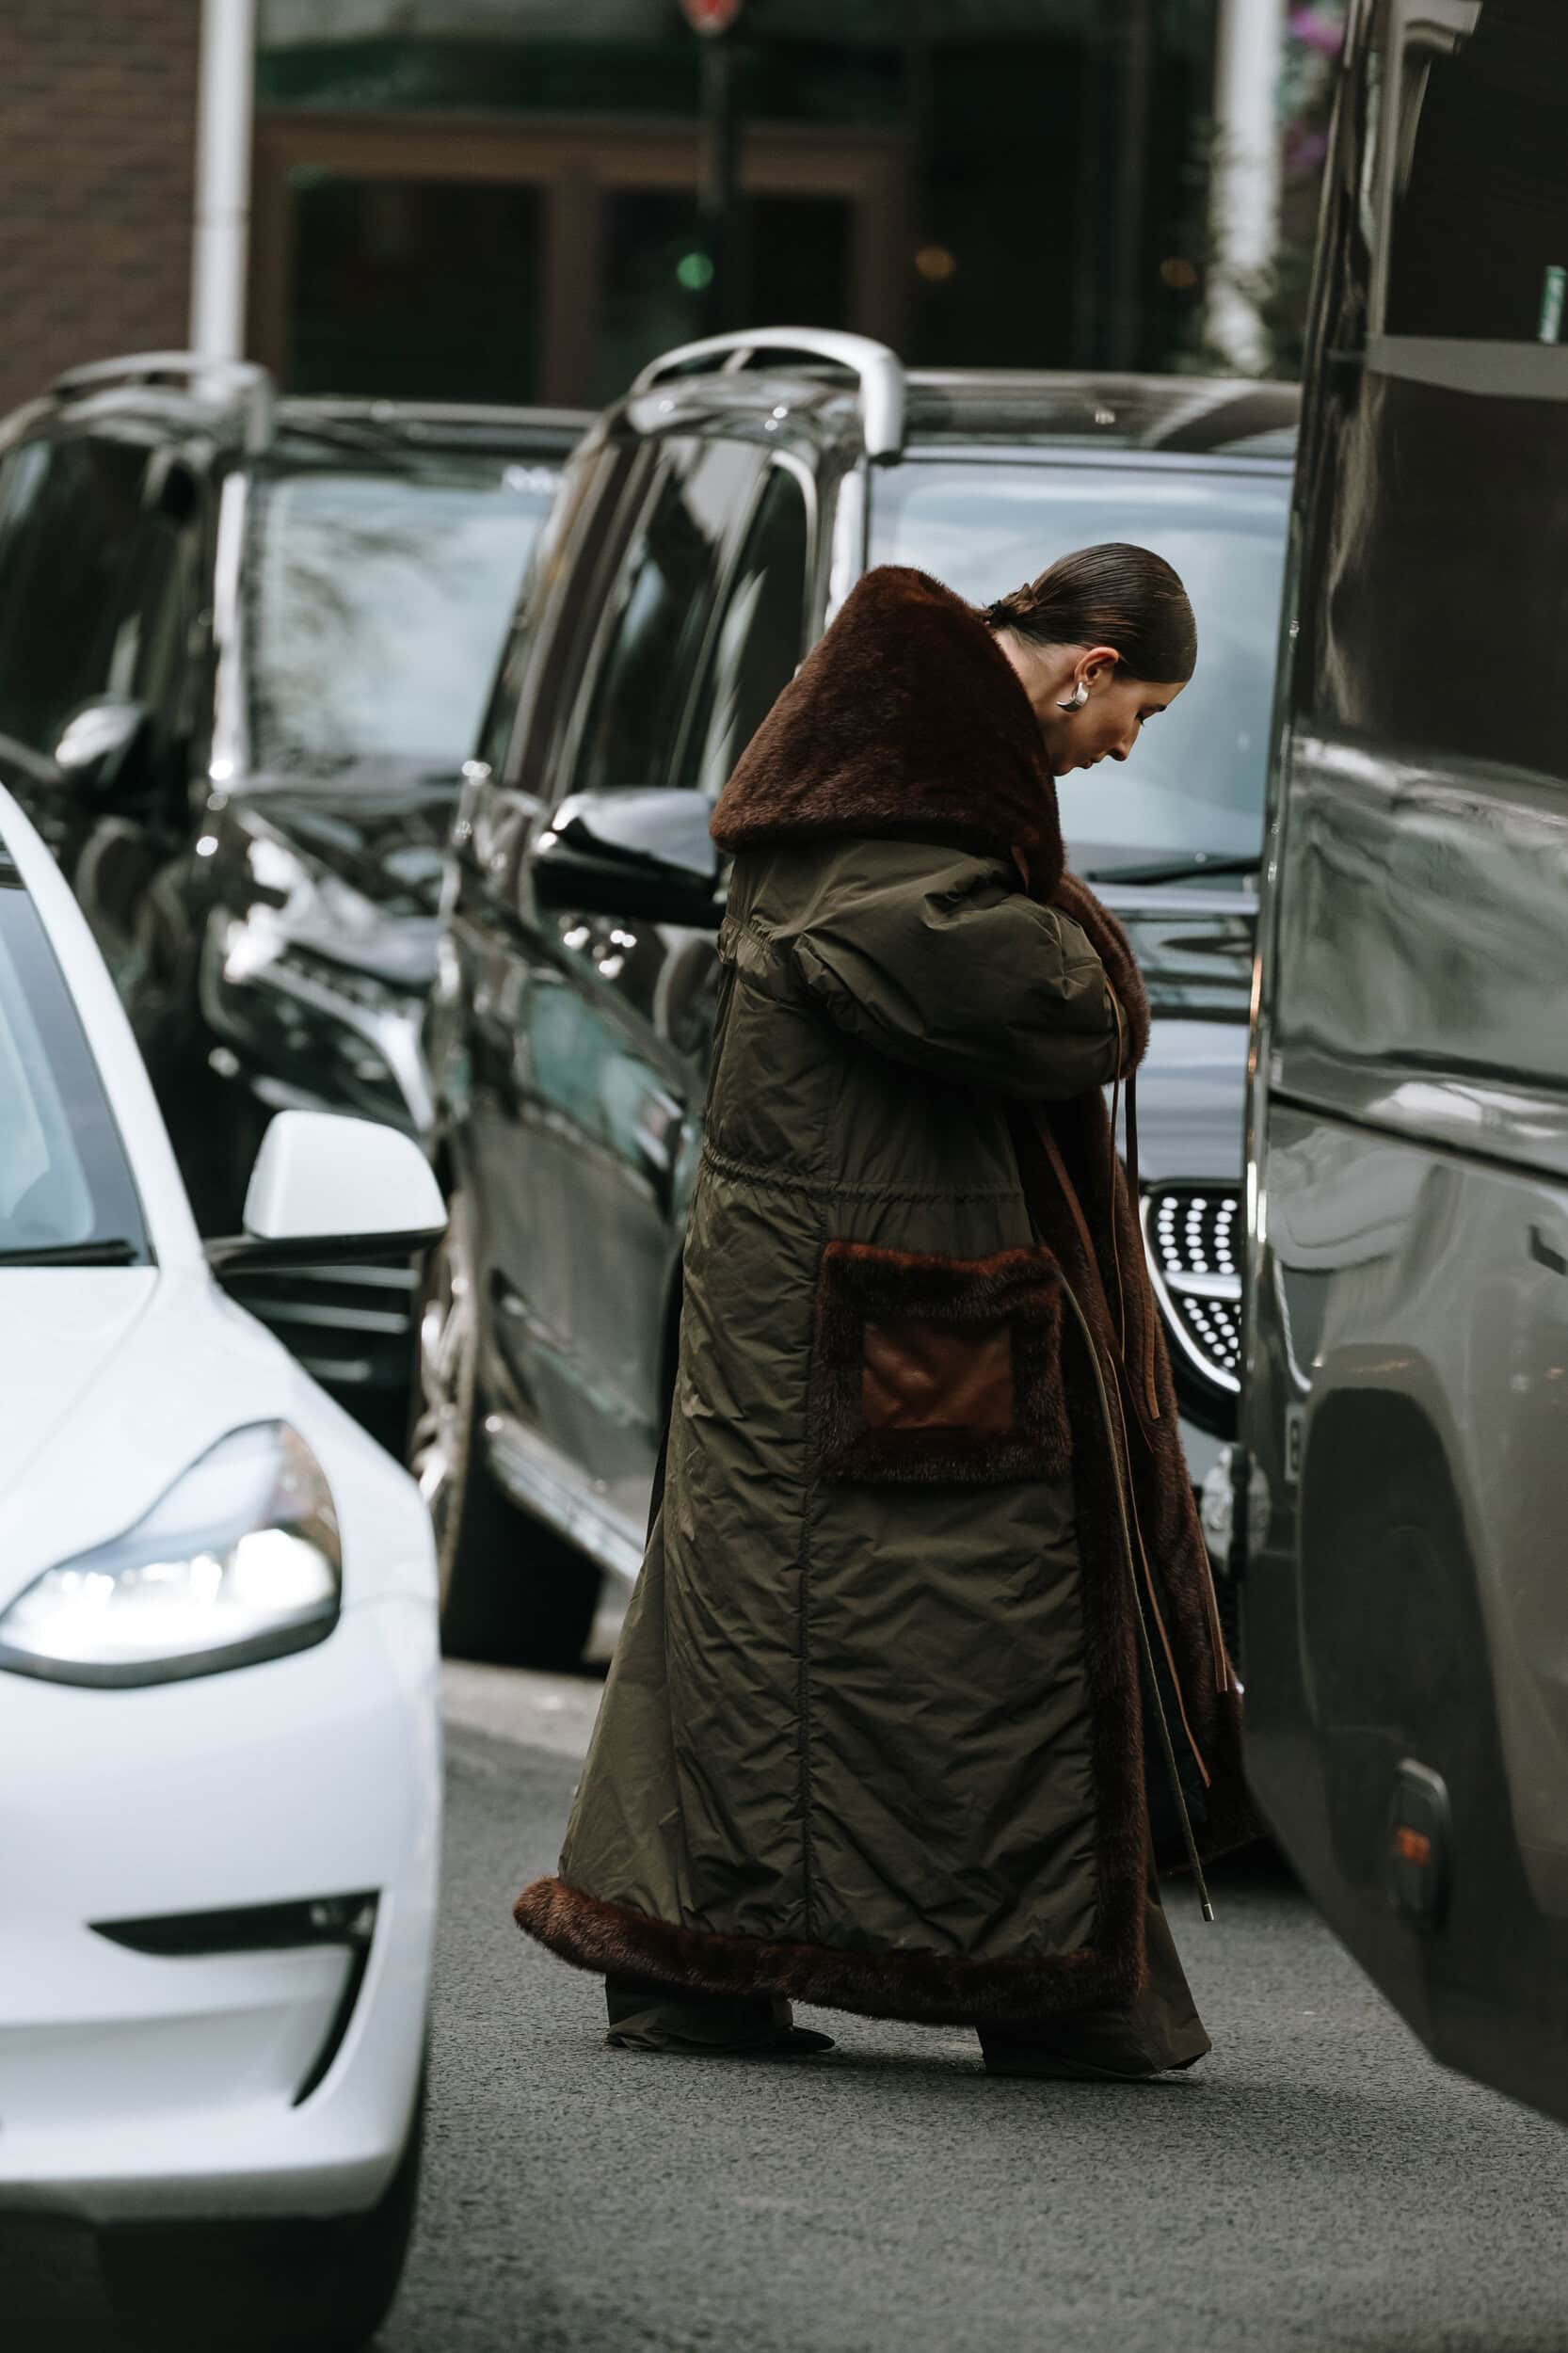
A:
{"points": [[938, 958]]}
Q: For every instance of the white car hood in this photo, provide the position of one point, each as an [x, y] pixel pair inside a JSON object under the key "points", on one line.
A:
{"points": [[62, 1325]]}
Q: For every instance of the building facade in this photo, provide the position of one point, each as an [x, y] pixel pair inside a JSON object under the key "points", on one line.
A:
{"points": [[98, 103], [503, 199], [502, 195]]}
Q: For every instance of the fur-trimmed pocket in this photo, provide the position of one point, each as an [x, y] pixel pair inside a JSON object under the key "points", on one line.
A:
{"points": [[939, 1370]]}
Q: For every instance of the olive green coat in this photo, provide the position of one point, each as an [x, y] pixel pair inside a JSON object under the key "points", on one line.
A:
{"points": [[872, 1736]]}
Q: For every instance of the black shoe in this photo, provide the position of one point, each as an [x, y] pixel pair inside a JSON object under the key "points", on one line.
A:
{"points": [[1038, 2060], [802, 2042]]}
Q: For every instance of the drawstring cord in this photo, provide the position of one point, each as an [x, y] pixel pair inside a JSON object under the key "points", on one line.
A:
{"points": [[1132, 1175], [1116, 1429], [1194, 1861]]}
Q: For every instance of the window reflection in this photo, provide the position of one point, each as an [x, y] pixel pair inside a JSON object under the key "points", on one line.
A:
{"points": [[758, 642], [63, 1175], [661, 601], [378, 604]]}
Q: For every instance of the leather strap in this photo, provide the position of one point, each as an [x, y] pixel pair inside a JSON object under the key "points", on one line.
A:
{"points": [[1119, 1437], [1120, 1371], [1151, 1394]]}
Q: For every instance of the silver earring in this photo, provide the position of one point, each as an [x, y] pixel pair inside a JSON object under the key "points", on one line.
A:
{"points": [[1077, 700]]}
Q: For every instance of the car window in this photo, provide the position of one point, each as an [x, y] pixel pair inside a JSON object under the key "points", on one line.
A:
{"points": [[64, 1179], [150, 656], [757, 645], [71, 515], [1479, 226], [659, 606], [554, 594], [376, 606], [1195, 781]]}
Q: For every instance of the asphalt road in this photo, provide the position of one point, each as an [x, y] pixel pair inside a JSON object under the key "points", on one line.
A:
{"points": [[1319, 2184]]}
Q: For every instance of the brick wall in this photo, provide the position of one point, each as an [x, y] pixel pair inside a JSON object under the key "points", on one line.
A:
{"points": [[97, 153]]}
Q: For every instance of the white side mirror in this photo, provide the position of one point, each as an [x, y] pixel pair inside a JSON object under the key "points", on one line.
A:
{"points": [[320, 1177]]}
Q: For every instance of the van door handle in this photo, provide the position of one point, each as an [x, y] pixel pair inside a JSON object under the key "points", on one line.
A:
{"points": [[1546, 1254]]}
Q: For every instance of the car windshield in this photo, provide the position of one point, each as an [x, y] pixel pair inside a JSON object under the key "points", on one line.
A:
{"points": [[1193, 788], [376, 604], [65, 1185]]}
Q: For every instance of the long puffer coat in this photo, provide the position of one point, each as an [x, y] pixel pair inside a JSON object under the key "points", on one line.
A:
{"points": [[927, 1560]]}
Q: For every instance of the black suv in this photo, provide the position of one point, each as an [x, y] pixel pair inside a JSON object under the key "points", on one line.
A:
{"points": [[708, 529], [244, 645]]}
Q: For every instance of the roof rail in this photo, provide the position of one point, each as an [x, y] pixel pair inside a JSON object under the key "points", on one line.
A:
{"points": [[878, 370], [250, 387], [415, 415]]}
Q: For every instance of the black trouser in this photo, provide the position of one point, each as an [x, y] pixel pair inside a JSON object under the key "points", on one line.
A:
{"points": [[646, 2014]]}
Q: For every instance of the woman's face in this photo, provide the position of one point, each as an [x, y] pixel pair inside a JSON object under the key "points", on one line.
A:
{"points": [[1114, 710], [1107, 727]]}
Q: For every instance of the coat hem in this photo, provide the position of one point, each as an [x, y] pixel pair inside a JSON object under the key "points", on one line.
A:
{"points": [[928, 1989]]}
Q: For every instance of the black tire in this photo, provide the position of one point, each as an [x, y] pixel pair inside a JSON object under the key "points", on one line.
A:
{"points": [[512, 1592], [299, 2287]]}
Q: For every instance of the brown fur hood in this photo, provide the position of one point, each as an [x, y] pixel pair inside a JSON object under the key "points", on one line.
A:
{"points": [[906, 719]]}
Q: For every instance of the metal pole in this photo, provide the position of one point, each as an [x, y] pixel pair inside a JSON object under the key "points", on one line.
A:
{"points": [[720, 206], [918, 87], [222, 223], [1244, 200], [1088, 276]]}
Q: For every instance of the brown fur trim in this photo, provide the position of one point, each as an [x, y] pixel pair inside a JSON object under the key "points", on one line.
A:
{"points": [[905, 718], [933, 1988], [1161, 1491], [1020, 1288]]}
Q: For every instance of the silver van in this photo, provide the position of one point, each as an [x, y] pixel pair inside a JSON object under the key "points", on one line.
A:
{"points": [[1398, 1500]]}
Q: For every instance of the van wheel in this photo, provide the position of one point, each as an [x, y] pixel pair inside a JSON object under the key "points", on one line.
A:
{"points": [[299, 2286], [511, 1591]]}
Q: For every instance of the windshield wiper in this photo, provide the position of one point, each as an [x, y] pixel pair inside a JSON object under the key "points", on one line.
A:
{"points": [[115, 1253], [1192, 868]]}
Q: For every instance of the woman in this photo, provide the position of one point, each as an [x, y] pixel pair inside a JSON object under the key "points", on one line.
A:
{"points": [[926, 1591]]}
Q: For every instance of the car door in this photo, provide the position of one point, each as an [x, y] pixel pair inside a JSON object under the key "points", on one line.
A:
{"points": [[136, 862], [105, 686], [705, 625], [472, 1040], [70, 512]]}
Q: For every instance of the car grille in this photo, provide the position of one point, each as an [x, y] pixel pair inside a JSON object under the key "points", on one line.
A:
{"points": [[1192, 1237], [350, 1326]]}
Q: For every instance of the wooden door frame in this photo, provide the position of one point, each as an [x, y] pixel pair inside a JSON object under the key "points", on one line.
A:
{"points": [[575, 162]]}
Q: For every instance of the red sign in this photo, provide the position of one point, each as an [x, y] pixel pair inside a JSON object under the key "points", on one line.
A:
{"points": [[712, 16]]}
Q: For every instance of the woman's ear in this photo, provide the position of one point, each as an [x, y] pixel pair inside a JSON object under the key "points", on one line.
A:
{"points": [[1098, 668]]}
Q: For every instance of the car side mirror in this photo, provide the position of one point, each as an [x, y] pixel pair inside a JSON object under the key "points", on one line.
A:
{"points": [[327, 1187], [105, 750], [643, 853]]}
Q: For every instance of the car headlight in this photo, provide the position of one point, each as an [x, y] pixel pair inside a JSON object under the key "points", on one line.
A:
{"points": [[239, 1561]]}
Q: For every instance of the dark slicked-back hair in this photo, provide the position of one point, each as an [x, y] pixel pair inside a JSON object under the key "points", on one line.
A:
{"points": [[1114, 595]]}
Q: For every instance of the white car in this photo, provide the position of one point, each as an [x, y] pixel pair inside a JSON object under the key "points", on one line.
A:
{"points": [[219, 1737]]}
